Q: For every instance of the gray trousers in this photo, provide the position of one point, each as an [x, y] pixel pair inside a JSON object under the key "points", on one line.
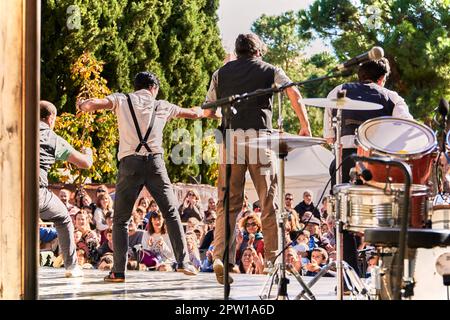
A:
{"points": [[52, 209], [135, 172]]}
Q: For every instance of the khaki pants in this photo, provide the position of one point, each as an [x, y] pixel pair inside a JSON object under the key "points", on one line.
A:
{"points": [[261, 164]]}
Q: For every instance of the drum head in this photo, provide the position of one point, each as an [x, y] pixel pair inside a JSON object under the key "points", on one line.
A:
{"points": [[394, 136]]}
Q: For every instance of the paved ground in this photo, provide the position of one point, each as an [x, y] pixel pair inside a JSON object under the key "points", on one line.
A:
{"points": [[166, 285]]}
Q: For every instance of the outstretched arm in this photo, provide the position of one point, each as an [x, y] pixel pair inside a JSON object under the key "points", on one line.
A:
{"points": [[90, 105], [191, 113]]}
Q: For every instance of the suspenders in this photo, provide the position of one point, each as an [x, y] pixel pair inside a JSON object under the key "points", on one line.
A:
{"points": [[143, 140]]}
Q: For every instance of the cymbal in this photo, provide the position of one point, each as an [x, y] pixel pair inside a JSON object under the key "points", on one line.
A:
{"points": [[283, 142], [342, 103]]}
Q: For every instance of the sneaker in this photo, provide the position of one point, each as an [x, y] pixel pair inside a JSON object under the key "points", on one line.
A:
{"points": [[188, 269], [218, 270], [75, 272], [115, 277]]}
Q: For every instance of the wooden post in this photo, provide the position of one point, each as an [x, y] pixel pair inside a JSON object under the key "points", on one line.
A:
{"points": [[19, 96]]}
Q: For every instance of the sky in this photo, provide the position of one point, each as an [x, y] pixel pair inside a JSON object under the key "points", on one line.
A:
{"points": [[237, 16]]}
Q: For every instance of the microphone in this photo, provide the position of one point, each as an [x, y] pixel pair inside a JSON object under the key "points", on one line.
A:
{"points": [[376, 53], [365, 173], [443, 107]]}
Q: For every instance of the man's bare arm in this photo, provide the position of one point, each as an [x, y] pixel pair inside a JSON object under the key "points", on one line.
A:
{"points": [[90, 105], [295, 97]]}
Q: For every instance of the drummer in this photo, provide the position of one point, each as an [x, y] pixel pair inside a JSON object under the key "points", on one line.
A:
{"points": [[253, 118], [372, 77]]}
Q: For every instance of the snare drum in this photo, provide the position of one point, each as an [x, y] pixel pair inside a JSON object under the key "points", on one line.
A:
{"points": [[405, 140], [366, 207], [440, 216]]}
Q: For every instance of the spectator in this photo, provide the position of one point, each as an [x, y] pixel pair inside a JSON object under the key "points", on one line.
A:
{"points": [[293, 259], [319, 258], [250, 235], [82, 259], [157, 243], [372, 262], [89, 240], [192, 245], [211, 209], [144, 202], [101, 189], [107, 246], [48, 238], [141, 220], [289, 204], [307, 205], [292, 227], [251, 262], [209, 236], [207, 263], [104, 205], [88, 211], [106, 262], [190, 207], [64, 196], [191, 224], [82, 199], [323, 210], [256, 207], [153, 207], [134, 239], [109, 223]]}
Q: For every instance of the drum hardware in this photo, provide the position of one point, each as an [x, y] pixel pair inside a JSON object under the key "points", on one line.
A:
{"points": [[356, 286], [281, 144], [341, 102], [403, 237]]}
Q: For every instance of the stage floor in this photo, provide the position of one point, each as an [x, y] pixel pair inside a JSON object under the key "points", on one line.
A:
{"points": [[152, 285]]}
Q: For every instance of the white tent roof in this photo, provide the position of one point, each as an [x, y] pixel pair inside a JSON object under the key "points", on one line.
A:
{"points": [[305, 168]]}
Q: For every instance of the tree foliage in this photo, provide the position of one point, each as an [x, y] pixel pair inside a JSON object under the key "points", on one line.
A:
{"points": [[97, 131], [177, 40], [413, 33]]}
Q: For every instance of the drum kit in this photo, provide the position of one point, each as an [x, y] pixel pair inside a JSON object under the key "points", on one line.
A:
{"points": [[375, 208]]}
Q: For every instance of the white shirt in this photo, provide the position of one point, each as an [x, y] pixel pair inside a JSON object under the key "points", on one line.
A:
{"points": [[400, 110], [144, 105]]}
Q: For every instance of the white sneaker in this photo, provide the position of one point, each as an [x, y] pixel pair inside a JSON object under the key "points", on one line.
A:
{"points": [[75, 272]]}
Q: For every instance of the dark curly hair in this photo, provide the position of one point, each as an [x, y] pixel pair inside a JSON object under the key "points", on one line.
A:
{"points": [[248, 45], [374, 70]]}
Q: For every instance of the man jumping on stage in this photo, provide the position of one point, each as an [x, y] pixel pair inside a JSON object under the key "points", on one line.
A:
{"points": [[142, 164], [254, 117]]}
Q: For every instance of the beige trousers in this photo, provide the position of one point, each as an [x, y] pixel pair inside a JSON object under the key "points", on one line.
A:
{"points": [[261, 164]]}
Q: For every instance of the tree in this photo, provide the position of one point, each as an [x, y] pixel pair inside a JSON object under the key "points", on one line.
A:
{"points": [[94, 130], [178, 41], [413, 33]]}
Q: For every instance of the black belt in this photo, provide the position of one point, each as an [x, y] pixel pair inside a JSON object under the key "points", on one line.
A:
{"points": [[150, 156]]}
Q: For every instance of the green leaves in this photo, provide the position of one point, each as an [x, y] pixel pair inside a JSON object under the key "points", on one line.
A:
{"points": [[177, 40]]}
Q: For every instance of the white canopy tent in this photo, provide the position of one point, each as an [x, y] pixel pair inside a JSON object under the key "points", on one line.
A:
{"points": [[305, 168]]}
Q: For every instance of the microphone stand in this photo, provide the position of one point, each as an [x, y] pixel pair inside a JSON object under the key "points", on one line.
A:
{"points": [[228, 110], [403, 238]]}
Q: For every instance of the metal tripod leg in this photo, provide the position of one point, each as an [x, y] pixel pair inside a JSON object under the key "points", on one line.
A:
{"points": [[305, 287], [354, 282], [316, 278], [269, 283]]}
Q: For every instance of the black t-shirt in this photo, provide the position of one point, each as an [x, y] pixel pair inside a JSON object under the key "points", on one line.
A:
{"points": [[302, 207]]}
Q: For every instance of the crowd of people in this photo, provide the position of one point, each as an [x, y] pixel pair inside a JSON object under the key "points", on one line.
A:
{"points": [[310, 235]]}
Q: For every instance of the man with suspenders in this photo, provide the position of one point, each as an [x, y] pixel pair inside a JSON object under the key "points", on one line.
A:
{"points": [[142, 164]]}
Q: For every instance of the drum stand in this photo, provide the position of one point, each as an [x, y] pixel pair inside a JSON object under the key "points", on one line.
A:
{"points": [[337, 122], [278, 273]]}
